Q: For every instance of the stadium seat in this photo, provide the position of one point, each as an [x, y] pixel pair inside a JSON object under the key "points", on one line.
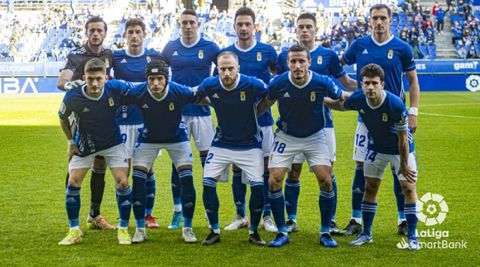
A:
{"points": [[432, 51]]}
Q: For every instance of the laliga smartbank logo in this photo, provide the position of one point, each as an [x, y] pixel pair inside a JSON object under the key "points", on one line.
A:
{"points": [[432, 210]]}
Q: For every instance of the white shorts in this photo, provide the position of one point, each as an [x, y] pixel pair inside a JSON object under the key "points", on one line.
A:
{"points": [[146, 153], [267, 141], [360, 144], [375, 164], [116, 157], [286, 147], [129, 134], [250, 161], [332, 147], [201, 128]]}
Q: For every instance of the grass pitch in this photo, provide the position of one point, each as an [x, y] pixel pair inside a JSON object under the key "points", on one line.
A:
{"points": [[33, 218]]}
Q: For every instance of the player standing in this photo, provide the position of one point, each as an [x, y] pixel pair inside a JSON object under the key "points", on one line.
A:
{"points": [[191, 58], [396, 58]]}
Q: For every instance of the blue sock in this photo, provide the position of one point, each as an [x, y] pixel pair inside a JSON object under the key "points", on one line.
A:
{"points": [[239, 190], [358, 188], [210, 201], [335, 198], [399, 197], [368, 211], [151, 187], [278, 206], [412, 220], [202, 160], [72, 204], [188, 196], [139, 196], [124, 203], [176, 187], [326, 200], [292, 191], [267, 210], [256, 204]]}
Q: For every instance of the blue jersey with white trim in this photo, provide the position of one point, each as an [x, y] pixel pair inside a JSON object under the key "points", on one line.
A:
{"points": [[131, 68], [257, 62], [383, 122], [236, 111], [162, 117], [301, 108], [394, 56], [190, 65], [325, 62], [97, 127]]}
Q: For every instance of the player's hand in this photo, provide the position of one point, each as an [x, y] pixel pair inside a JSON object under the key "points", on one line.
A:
{"points": [[412, 123], [73, 84], [408, 173], [72, 150]]}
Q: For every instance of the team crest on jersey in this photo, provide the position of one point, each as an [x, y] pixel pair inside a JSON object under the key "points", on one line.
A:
{"points": [[259, 56], [390, 54], [384, 117], [319, 60], [148, 59], [200, 54], [243, 97], [171, 106], [111, 102], [313, 96], [107, 63]]}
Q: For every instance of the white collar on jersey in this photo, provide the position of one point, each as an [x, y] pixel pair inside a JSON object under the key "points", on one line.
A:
{"points": [[139, 55], [248, 49], [234, 85], [384, 95], [192, 45], [90, 97], [163, 97], [384, 43], [314, 48], [296, 85]]}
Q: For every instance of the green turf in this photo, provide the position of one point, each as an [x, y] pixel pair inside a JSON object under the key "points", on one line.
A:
{"points": [[33, 217]]}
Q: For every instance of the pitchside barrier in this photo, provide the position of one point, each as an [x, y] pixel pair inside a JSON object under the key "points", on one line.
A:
{"points": [[433, 75]]}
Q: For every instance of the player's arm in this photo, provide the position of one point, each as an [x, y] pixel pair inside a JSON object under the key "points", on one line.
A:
{"points": [[339, 103], [72, 147], [414, 99], [348, 82], [265, 104], [403, 148]]}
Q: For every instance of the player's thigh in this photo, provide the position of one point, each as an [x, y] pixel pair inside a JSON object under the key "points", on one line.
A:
{"points": [[267, 140], [129, 135], [412, 164], [284, 149], [360, 144], [331, 143], [145, 155], [218, 159], [78, 162], [180, 153], [316, 150], [201, 128], [374, 164], [76, 176], [251, 163]]}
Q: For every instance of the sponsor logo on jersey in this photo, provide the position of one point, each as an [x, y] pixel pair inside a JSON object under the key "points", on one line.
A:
{"points": [[200, 54], [362, 111], [384, 117], [145, 106], [390, 54], [171, 106], [85, 109], [110, 101], [319, 60], [259, 56], [365, 51], [175, 53], [286, 94], [123, 61], [215, 96], [243, 97], [313, 96]]}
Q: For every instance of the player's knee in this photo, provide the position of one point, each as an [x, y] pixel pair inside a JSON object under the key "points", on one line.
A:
{"points": [[371, 187], [295, 172], [408, 189], [275, 180], [73, 180]]}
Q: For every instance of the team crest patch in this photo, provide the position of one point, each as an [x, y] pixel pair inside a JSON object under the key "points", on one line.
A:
{"points": [[259, 56], [390, 54], [319, 60], [171, 106], [107, 63], [111, 102], [200, 54], [63, 108], [148, 59], [313, 96], [384, 117], [243, 97]]}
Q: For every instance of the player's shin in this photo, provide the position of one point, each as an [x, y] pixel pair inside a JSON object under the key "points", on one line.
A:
{"points": [[188, 196], [239, 191], [210, 202], [151, 188], [139, 196], [124, 202], [255, 204], [358, 189], [175, 182], [72, 203], [292, 192], [326, 202], [97, 187]]}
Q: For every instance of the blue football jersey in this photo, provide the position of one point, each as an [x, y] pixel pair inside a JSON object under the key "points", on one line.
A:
{"points": [[382, 122], [190, 65], [131, 68], [325, 62], [97, 127], [162, 117], [394, 56], [257, 62], [301, 108], [236, 111]]}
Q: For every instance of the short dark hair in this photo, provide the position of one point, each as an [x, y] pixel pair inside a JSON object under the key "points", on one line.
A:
{"points": [[298, 48], [381, 6], [309, 16], [228, 53], [372, 70], [95, 64], [189, 11], [135, 22], [244, 11], [96, 19]]}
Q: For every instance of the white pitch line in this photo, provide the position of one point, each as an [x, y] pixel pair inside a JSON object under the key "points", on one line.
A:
{"points": [[450, 116], [449, 104]]}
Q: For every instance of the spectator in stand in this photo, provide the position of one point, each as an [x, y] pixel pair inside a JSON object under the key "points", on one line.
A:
{"points": [[472, 53], [440, 16], [427, 23]]}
